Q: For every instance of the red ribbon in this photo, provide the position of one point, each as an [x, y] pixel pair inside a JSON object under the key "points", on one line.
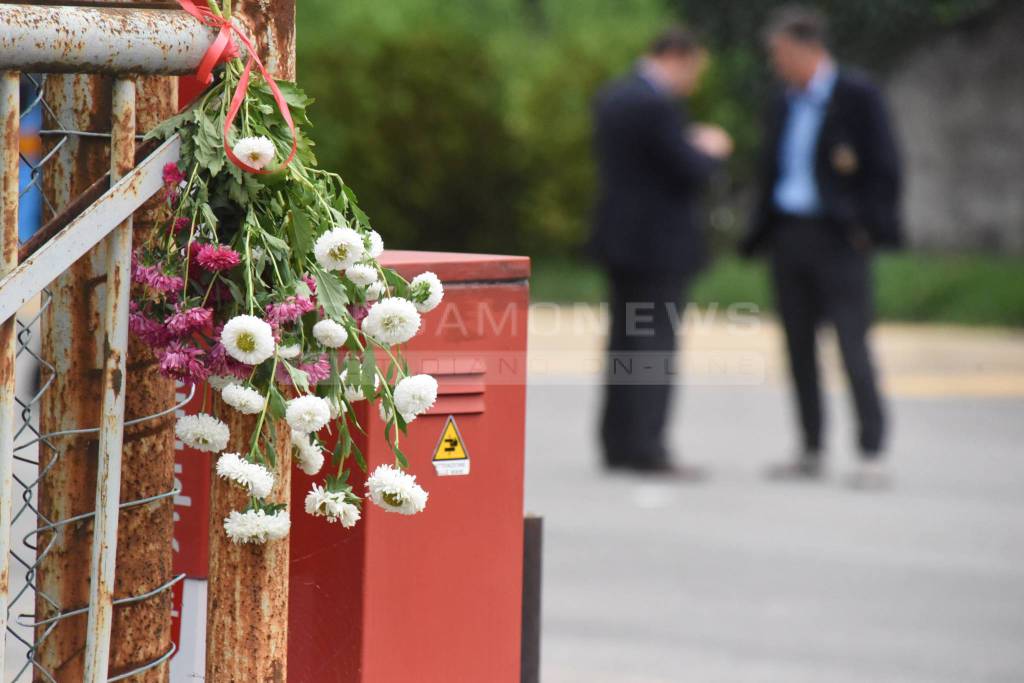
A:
{"points": [[221, 51]]}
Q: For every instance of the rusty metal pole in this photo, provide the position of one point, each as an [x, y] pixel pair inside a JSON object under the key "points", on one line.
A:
{"points": [[142, 630], [247, 598], [115, 348], [9, 119]]}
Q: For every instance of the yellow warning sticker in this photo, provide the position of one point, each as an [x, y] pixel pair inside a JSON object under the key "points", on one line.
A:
{"points": [[450, 455]]}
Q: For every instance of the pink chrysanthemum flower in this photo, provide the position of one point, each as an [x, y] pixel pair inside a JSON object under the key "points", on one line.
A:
{"points": [[156, 279], [184, 323], [289, 310], [180, 223], [318, 371], [215, 257], [182, 362], [173, 174], [150, 331], [358, 312], [220, 363]]}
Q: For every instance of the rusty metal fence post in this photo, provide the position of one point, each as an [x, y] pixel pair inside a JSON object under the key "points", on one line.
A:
{"points": [[115, 350]]}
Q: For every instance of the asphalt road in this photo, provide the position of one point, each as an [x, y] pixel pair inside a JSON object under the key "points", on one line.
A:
{"points": [[739, 580]]}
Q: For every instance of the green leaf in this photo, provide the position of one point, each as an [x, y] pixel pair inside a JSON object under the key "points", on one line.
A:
{"points": [[299, 377], [358, 455], [397, 282], [402, 460], [368, 372], [236, 293], [275, 243], [169, 126], [208, 216], [300, 233], [277, 403], [271, 450], [330, 293]]}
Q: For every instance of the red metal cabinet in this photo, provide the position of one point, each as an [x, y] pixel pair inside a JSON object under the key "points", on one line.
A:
{"points": [[436, 597]]}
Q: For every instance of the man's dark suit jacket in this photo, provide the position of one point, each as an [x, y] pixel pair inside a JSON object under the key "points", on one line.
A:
{"points": [[857, 167], [650, 177]]}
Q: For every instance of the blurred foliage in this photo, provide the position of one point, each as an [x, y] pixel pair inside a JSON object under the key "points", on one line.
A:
{"points": [[969, 289], [466, 124]]}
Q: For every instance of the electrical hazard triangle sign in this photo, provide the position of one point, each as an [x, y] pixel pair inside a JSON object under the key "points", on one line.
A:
{"points": [[450, 455]]}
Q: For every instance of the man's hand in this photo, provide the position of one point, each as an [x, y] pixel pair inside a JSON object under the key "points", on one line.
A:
{"points": [[710, 139]]}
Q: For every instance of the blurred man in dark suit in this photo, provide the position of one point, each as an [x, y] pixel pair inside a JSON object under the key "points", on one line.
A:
{"points": [[829, 194], [652, 166]]}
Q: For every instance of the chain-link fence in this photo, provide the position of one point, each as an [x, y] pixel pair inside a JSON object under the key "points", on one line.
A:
{"points": [[36, 454]]}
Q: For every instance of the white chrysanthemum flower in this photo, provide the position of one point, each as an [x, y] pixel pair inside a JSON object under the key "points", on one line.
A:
{"points": [[426, 291], [203, 432], [255, 151], [354, 393], [218, 382], [376, 290], [290, 351], [308, 456], [244, 399], [254, 478], [331, 334], [248, 339], [307, 414], [396, 491], [362, 274], [392, 321], [332, 506], [415, 395], [256, 526], [376, 246], [339, 248]]}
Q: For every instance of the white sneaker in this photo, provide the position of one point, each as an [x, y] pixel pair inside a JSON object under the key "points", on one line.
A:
{"points": [[870, 475]]}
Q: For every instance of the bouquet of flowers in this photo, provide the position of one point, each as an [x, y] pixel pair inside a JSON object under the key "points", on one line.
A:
{"points": [[265, 284]]}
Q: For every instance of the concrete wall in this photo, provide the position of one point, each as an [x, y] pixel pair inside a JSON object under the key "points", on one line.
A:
{"points": [[959, 107]]}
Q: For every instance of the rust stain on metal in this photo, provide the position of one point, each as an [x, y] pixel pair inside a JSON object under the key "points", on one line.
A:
{"points": [[271, 25]]}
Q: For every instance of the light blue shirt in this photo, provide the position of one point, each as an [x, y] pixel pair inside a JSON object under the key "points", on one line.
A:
{"points": [[796, 190]]}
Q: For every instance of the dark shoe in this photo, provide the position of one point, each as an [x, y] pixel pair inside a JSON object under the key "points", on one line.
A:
{"points": [[806, 467]]}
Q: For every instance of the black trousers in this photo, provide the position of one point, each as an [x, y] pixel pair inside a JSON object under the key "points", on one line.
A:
{"points": [[646, 311], [818, 277]]}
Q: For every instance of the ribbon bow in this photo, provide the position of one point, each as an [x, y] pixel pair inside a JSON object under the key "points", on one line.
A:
{"points": [[222, 50]]}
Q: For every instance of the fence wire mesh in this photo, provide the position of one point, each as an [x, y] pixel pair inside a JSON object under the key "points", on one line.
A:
{"points": [[33, 535]]}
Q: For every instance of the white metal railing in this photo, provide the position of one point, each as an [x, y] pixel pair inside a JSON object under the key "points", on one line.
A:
{"points": [[74, 40]]}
